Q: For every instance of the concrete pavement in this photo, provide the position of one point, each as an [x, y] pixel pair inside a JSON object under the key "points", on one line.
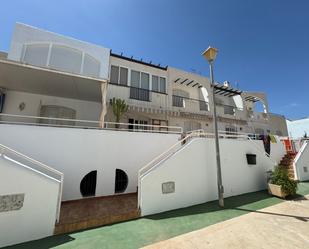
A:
{"points": [[285, 225]]}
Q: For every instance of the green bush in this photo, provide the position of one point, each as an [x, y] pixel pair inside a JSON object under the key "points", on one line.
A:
{"points": [[280, 177]]}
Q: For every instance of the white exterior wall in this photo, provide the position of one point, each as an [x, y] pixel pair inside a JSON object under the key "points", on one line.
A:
{"points": [[36, 219], [25, 34], [76, 152], [85, 110], [277, 150], [301, 161], [193, 169]]}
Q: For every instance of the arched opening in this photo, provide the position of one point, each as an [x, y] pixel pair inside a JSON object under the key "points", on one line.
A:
{"points": [[88, 184], [121, 181]]}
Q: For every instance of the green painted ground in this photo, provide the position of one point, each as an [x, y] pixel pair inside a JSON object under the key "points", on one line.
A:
{"points": [[144, 231]]}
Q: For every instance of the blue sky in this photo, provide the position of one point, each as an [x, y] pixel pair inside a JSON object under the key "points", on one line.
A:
{"points": [[263, 45]]}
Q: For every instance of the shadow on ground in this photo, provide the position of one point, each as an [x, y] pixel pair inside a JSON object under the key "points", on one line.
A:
{"points": [[229, 203], [49, 242]]}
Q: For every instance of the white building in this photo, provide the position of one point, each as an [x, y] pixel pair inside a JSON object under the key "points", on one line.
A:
{"points": [[156, 95], [53, 96], [298, 128]]}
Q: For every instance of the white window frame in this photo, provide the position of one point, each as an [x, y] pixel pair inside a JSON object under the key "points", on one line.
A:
{"points": [[140, 79], [50, 45], [159, 85], [129, 74]]}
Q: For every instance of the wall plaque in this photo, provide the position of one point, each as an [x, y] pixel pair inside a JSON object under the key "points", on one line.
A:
{"points": [[11, 202], [168, 187]]}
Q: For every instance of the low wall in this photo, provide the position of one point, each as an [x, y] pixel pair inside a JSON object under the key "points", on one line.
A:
{"points": [[76, 152], [301, 164], [193, 171], [28, 204]]}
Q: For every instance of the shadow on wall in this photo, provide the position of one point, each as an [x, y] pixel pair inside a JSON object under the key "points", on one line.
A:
{"points": [[234, 202], [49, 242]]}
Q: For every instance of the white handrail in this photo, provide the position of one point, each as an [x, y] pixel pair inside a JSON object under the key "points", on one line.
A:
{"points": [[196, 133], [139, 127], [4, 149]]}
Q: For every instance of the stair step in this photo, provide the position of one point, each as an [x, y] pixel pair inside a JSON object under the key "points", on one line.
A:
{"points": [[97, 211]]}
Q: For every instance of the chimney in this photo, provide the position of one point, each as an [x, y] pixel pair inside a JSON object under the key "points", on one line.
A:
{"points": [[226, 83]]}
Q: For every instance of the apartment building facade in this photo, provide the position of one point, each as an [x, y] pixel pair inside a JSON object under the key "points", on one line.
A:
{"points": [[46, 74]]}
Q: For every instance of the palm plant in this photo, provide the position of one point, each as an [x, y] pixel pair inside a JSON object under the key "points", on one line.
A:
{"points": [[119, 108]]}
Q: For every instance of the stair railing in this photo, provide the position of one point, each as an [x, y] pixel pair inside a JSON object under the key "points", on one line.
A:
{"points": [[6, 151]]}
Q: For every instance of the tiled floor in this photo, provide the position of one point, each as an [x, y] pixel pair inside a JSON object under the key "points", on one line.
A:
{"points": [[91, 212]]}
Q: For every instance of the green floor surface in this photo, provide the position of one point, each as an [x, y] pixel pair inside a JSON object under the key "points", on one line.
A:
{"points": [[150, 229]]}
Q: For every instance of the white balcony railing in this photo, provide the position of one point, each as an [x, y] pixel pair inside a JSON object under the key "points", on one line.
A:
{"points": [[189, 105], [85, 124]]}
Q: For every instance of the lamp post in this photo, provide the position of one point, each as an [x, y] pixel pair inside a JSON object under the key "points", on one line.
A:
{"points": [[210, 54]]}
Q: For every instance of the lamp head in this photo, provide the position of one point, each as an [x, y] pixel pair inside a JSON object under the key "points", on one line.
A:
{"points": [[210, 54]]}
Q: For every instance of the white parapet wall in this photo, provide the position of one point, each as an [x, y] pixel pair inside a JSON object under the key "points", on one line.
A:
{"points": [[192, 171], [76, 152], [301, 163], [28, 203]]}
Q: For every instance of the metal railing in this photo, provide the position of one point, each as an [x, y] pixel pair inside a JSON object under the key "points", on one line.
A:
{"points": [[190, 104], [37, 167], [140, 94], [85, 124]]}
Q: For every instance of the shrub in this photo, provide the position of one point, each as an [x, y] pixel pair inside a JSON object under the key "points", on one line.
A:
{"points": [[280, 177]]}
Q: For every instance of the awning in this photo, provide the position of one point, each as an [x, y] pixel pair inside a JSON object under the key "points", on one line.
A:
{"points": [[219, 89], [32, 79]]}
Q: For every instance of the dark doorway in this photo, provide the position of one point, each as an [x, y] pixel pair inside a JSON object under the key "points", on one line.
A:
{"points": [[88, 184], [131, 121], [121, 181]]}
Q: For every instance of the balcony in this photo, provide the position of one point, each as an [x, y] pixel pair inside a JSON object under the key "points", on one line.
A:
{"points": [[190, 105], [140, 94]]}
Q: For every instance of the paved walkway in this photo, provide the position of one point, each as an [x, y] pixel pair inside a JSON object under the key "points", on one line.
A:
{"points": [[160, 227], [285, 225]]}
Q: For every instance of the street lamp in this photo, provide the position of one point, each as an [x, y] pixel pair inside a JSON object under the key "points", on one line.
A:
{"points": [[210, 54]]}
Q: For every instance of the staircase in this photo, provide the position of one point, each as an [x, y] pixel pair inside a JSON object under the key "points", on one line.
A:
{"points": [[287, 163], [96, 211]]}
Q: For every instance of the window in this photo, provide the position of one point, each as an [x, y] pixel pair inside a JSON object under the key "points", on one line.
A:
{"points": [[138, 124], [158, 84], [88, 184], [160, 123], [114, 74], [155, 83], [135, 78], [36, 54], [119, 75], [162, 85], [123, 76], [52, 111], [91, 66], [65, 58], [121, 181], [145, 81], [229, 109]]}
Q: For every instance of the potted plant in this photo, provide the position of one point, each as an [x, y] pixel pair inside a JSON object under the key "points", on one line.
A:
{"points": [[280, 184]]}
